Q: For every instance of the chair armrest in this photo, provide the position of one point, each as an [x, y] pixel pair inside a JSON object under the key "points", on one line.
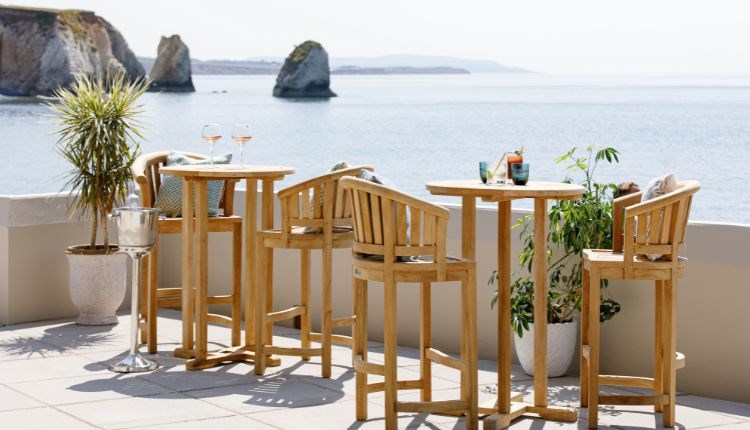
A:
{"points": [[312, 182], [688, 187], [618, 211]]}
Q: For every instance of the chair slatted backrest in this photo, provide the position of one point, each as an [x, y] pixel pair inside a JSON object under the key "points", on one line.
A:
{"points": [[380, 228], [317, 203], [658, 226], [145, 172]]}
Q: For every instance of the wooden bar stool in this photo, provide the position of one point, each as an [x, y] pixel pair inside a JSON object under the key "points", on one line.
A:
{"points": [[146, 173], [315, 214], [652, 227], [399, 238]]}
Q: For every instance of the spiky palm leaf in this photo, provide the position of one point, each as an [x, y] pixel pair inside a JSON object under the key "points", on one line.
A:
{"points": [[99, 136]]}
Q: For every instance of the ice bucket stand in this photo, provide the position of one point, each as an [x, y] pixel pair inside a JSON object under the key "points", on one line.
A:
{"points": [[136, 229]]}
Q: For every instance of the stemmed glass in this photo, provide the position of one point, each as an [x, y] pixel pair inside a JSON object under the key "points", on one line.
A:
{"points": [[211, 133], [241, 134]]}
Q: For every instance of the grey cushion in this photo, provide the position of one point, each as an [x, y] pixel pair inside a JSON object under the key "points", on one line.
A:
{"points": [[336, 167], [169, 198], [376, 178], [658, 187]]}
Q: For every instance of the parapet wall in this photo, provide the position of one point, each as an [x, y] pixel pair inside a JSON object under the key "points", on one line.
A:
{"points": [[712, 298]]}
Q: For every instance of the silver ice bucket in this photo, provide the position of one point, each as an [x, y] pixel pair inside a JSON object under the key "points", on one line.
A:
{"points": [[136, 226]]}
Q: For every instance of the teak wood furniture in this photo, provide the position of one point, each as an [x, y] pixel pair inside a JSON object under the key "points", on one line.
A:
{"points": [[146, 173], [315, 214], [390, 250], [195, 253], [506, 409], [652, 227]]}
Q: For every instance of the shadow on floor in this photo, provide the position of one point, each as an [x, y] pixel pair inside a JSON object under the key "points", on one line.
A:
{"points": [[58, 340], [280, 389]]}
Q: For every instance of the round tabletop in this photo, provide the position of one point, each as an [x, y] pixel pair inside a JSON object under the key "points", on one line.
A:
{"points": [[533, 189], [227, 171]]}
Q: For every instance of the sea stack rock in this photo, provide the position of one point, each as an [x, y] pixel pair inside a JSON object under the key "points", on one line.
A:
{"points": [[305, 73], [171, 70], [43, 49]]}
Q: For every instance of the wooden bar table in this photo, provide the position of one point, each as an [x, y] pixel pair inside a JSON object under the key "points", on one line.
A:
{"points": [[507, 409], [195, 263]]}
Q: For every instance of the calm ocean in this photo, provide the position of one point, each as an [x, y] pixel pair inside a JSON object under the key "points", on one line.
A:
{"points": [[415, 129]]}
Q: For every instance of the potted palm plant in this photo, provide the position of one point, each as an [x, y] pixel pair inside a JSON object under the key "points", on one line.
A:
{"points": [[573, 226], [98, 135]]}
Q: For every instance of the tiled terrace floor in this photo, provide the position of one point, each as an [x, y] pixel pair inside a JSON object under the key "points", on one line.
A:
{"points": [[54, 374]]}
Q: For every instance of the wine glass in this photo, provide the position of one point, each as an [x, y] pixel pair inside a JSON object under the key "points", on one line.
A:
{"points": [[211, 133], [241, 134]]}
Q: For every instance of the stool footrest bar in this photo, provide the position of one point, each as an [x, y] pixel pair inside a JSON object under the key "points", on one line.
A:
{"points": [[626, 381], [363, 366], [444, 359], [286, 314], [336, 339], [344, 322], [615, 399], [442, 406], [410, 384], [280, 350]]}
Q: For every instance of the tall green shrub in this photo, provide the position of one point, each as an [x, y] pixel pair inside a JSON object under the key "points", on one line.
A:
{"points": [[573, 226]]}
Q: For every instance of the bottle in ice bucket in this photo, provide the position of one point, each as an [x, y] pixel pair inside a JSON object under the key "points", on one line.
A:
{"points": [[514, 157]]}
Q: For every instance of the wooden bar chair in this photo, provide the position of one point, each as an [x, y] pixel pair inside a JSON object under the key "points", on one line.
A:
{"points": [[315, 214], [652, 227], [390, 250], [146, 174]]}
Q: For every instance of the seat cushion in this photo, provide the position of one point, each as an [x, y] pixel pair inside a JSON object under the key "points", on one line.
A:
{"points": [[660, 186], [169, 197]]}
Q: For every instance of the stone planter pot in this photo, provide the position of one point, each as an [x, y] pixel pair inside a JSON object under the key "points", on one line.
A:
{"points": [[561, 346], [97, 284]]}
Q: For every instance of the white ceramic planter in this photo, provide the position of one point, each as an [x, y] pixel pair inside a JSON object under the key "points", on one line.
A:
{"points": [[561, 346], [97, 286]]}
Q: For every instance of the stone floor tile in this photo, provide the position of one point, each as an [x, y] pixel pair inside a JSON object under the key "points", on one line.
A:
{"points": [[234, 421], [144, 411], [164, 356], [12, 399], [34, 419], [64, 365], [632, 417], [179, 379], [341, 415], [740, 411], [80, 389], [48, 368], [272, 392]]}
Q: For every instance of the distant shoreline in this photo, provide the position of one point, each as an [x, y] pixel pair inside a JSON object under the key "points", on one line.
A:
{"points": [[400, 65]]}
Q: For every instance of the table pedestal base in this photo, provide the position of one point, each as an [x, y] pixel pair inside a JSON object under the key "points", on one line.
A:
{"points": [[501, 421], [184, 353], [222, 356]]}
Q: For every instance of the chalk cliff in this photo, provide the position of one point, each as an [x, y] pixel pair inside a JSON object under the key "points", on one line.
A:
{"points": [[43, 49]]}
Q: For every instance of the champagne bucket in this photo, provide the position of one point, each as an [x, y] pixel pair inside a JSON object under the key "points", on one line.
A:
{"points": [[136, 226], [136, 230]]}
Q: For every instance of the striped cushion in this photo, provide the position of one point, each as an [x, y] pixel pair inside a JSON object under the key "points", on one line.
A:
{"points": [[169, 199]]}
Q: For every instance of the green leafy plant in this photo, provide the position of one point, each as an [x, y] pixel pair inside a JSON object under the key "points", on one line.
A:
{"points": [[98, 136], [573, 226]]}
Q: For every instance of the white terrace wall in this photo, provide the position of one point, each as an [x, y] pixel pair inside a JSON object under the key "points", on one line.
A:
{"points": [[712, 299]]}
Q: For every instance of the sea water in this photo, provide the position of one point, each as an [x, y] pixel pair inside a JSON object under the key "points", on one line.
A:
{"points": [[415, 129]]}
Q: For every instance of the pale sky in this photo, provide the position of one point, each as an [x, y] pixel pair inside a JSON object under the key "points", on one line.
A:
{"points": [[555, 36]]}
